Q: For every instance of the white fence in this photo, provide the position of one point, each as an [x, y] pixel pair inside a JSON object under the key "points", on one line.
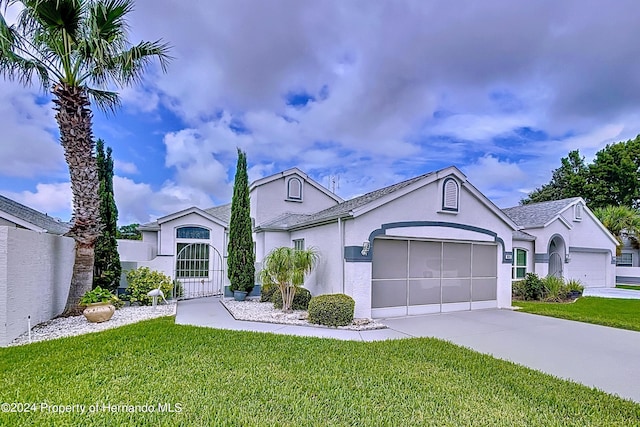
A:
{"points": [[35, 273], [628, 275]]}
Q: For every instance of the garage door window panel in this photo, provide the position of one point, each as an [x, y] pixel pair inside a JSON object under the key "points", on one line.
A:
{"points": [[424, 291], [389, 293], [390, 259], [424, 259], [456, 260], [456, 290], [484, 261], [484, 289]]}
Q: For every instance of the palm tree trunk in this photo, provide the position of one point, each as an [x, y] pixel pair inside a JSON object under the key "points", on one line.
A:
{"points": [[74, 119]]}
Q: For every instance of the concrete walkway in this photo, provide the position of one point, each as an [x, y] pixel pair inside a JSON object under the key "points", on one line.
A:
{"points": [[611, 293], [597, 356]]}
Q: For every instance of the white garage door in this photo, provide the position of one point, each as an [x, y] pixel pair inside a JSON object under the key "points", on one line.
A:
{"points": [[419, 277], [589, 268]]}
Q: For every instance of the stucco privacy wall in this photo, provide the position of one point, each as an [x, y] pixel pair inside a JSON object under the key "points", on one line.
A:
{"points": [[35, 273]]}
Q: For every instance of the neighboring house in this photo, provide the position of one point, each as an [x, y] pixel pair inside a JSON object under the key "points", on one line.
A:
{"points": [[563, 238], [433, 243], [14, 214], [628, 263]]}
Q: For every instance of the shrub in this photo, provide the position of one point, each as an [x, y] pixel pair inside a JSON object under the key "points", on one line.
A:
{"points": [[300, 299], [96, 295], [518, 289], [554, 289], [266, 292], [331, 310], [533, 287], [574, 285], [142, 281]]}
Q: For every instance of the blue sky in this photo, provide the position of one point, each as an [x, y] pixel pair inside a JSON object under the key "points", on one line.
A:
{"points": [[370, 92]]}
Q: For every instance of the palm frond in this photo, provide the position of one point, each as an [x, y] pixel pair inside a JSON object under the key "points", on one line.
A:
{"points": [[105, 100]]}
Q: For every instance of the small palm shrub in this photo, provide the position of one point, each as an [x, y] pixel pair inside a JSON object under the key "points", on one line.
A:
{"points": [[300, 299], [331, 310], [574, 285], [142, 281], [554, 289]]}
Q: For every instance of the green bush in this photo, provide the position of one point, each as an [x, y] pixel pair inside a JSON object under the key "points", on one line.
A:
{"points": [[300, 299], [266, 292], [142, 281], [331, 310], [533, 287], [518, 289], [554, 289], [574, 285]]}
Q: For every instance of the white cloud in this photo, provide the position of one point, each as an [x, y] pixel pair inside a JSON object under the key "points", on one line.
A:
{"points": [[54, 198], [497, 179], [125, 167]]}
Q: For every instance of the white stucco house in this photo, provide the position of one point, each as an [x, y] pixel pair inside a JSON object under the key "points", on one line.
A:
{"points": [[433, 243]]}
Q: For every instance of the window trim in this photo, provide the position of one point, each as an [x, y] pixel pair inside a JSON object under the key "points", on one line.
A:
{"points": [[291, 197], [445, 184], [515, 266], [619, 258], [298, 242], [577, 212]]}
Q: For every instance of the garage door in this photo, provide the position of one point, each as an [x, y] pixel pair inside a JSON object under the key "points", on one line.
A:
{"points": [[419, 277], [589, 268]]}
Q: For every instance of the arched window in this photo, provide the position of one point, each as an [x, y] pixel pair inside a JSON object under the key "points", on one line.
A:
{"points": [[294, 189], [192, 233], [577, 212], [450, 195]]}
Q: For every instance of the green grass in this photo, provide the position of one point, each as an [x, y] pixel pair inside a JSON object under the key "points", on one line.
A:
{"points": [[632, 287], [618, 313], [244, 378]]}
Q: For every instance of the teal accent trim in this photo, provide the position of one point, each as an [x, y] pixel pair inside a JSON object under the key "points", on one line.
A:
{"points": [[589, 250], [351, 255], [354, 254], [541, 258]]}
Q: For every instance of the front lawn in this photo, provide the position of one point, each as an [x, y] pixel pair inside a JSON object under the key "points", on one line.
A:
{"points": [[618, 313], [216, 377]]}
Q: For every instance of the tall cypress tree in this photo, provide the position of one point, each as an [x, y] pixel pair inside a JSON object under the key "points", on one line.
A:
{"points": [[107, 268], [241, 259]]}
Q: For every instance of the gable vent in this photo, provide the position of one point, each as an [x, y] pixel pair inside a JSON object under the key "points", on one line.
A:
{"points": [[450, 195], [577, 213]]}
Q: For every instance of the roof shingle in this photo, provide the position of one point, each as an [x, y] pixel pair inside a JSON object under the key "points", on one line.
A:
{"points": [[32, 216], [537, 214]]}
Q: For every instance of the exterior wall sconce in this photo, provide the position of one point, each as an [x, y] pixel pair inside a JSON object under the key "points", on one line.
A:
{"points": [[567, 258], [366, 246]]}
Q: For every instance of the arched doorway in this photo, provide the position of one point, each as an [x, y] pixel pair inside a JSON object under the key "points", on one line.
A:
{"points": [[556, 256], [199, 271]]}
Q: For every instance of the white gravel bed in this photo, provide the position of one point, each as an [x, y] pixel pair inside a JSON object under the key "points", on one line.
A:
{"points": [[254, 310], [78, 325]]}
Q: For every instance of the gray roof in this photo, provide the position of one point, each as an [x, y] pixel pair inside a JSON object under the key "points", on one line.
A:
{"points": [[222, 212], [537, 214], [340, 210], [521, 235], [34, 217]]}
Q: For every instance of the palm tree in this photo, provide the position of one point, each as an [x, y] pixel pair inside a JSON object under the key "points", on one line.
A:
{"points": [[286, 268], [621, 221], [77, 49]]}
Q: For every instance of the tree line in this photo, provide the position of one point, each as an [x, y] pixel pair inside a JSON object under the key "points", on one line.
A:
{"points": [[612, 179]]}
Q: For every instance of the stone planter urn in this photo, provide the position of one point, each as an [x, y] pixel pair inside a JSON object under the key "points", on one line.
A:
{"points": [[99, 312], [239, 295]]}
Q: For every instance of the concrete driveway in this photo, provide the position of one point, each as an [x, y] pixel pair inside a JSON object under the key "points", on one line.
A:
{"points": [[597, 356]]}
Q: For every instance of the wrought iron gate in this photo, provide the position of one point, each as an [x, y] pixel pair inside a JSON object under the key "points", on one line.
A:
{"points": [[555, 265], [199, 271]]}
